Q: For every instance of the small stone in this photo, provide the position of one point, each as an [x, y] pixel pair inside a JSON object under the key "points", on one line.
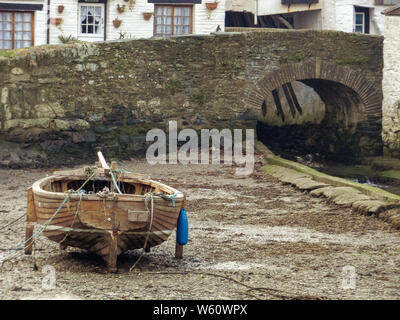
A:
{"points": [[91, 67], [14, 157], [88, 136], [197, 122], [80, 124], [4, 95], [62, 124], [17, 71]]}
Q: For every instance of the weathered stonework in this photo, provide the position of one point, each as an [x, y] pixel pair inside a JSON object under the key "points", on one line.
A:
{"points": [[64, 102], [391, 87]]}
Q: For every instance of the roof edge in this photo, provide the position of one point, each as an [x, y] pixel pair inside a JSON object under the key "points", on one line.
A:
{"points": [[392, 11]]}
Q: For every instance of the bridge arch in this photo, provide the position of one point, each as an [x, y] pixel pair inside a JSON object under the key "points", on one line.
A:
{"points": [[352, 124]]}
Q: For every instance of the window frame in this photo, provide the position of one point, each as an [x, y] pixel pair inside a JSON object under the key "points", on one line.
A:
{"points": [[363, 21], [102, 22], [32, 13], [173, 6]]}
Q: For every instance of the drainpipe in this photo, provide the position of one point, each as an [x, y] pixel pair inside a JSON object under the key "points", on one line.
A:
{"points": [[105, 20], [48, 22], [256, 13]]}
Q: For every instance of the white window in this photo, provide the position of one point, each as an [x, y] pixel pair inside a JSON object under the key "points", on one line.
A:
{"points": [[359, 22], [16, 30], [91, 19]]}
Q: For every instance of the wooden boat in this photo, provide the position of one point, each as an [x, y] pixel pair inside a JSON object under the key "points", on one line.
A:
{"points": [[100, 219]]}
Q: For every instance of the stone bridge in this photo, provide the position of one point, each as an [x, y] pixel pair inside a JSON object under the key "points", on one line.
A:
{"points": [[60, 103]]}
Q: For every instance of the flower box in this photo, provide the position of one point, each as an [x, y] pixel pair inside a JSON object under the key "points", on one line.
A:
{"points": [[211, 5]]}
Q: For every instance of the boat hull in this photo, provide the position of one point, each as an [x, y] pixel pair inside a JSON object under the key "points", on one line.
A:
{"points": [[109, 224]]}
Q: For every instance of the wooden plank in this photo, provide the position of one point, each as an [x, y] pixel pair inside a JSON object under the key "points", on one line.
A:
{"points": [[169, 215], [40, 211], [31, 218], [178, 251], [114, 165], [58, 220], [31, 212], [284, 22], [138, 216], [294, 98], [103, 161], [113, 253], [289, 100], [264, 108], [278, 105], [170, 222], [28, 235]]}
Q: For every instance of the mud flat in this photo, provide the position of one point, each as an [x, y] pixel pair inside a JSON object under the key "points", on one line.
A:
{"points": [[245, 233]]}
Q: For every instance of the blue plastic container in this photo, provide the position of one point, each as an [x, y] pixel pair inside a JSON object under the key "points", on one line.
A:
{"points": [[182, 228]]}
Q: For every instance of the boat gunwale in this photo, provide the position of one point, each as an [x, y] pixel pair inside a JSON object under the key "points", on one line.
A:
{"points": [[39, 191]]}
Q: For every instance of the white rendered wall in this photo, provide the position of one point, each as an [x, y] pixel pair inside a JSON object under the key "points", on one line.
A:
{"points": [[267, 7], [307, 20], [335, 14], [133, 24], [69, 24], [40, 32], [338, 15], [241, 5], [205, 23]]}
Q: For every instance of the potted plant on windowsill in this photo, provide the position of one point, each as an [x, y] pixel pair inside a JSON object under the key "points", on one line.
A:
{"points": [[117, 23], [147, 15]]}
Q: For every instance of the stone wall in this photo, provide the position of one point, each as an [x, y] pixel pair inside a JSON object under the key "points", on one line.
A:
{"points": [[61, 103], [391, 87]]}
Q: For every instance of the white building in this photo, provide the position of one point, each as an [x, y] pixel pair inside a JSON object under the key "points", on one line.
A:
{"points": [[342, 15], [355, 15], [36, 22]]}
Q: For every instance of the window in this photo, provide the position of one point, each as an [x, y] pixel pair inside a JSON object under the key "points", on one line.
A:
{"points": [[359, 22], [91, 17], [16, 30], [172, 20], [361, 19]]}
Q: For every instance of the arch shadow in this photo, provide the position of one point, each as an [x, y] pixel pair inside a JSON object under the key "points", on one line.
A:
{"points": [[352, 124]]}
